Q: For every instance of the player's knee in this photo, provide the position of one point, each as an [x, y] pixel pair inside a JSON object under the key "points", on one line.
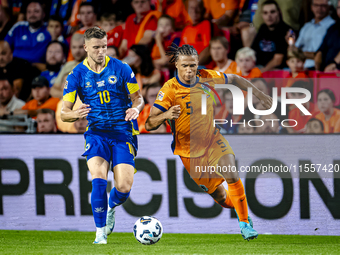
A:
{"points": [[99, 175], [124, 187], [221, 198], [219, 195]]}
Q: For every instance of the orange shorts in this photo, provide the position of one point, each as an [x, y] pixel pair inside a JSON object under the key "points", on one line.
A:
{"points": [[201, 168]]}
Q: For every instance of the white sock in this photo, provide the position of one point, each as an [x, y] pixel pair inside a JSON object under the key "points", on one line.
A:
{"points": [[101, 231]]}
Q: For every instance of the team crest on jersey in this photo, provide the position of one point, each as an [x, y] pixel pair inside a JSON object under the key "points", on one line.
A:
{"points": [[160, 96], [40, 37], [100, 83], [88, 85], [112, 79], [24, 37], [66, 83]]}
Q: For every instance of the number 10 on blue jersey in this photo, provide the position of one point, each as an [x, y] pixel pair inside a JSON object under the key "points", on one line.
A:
{"points": [[104, 95]]}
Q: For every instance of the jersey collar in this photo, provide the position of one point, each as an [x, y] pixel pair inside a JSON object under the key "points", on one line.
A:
{"points": [[187, 85], [107, 59]]}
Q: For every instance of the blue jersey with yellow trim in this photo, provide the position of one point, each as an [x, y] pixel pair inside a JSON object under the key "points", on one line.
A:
{"points": [[107, 92]]}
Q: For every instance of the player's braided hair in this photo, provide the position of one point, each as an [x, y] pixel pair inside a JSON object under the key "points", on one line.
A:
{"points": [[175, 51]]}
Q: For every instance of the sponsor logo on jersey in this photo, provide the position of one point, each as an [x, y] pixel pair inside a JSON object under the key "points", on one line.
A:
{"points": [[160, 96], [112, 79], [132, 75], [24, 37], [101, 83]]}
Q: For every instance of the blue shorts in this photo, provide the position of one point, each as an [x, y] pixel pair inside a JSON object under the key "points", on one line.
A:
{"points": [[112, 150]]}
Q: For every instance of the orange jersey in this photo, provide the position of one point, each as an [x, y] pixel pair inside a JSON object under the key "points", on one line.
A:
{"points": [[299, 77], [230, 69], [254, 73], [115, 36], [329, 125], [199, 35], [50, 103], [337, 127], [177, 10], [218, 7], [192, 131]]}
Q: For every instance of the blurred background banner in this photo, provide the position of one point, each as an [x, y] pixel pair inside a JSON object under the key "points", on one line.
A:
{"points": [[46, 186]]}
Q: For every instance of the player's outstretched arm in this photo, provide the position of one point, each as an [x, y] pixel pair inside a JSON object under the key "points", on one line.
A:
{"points": [[244, 84], [69, 115], [157, 117], [137, 106]]}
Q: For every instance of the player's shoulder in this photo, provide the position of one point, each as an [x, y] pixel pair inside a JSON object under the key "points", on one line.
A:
{"points": [[20, 24], [171, 84], [78, 70], [207, 73]]}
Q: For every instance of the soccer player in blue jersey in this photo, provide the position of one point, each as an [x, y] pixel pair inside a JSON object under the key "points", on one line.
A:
{"points": [[111, 103]]}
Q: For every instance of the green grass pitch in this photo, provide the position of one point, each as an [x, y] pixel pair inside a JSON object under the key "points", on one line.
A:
{"points": [[71, 242]]}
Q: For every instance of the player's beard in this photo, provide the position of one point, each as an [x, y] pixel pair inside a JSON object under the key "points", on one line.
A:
{"points": [[53, 68], [97, 62]]}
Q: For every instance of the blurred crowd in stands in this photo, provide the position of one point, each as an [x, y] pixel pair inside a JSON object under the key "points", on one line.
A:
{"points": [[273, 43]]}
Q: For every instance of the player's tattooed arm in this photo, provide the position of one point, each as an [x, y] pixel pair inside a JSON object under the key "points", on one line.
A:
{"points": [[69, 115], [244, 84], [137, 106], [157, 117]]}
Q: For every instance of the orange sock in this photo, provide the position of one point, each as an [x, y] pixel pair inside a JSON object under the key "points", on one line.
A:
{"points": [[227, 203], [239, 200]]}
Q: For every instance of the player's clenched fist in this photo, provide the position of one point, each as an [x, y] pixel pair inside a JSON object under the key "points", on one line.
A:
{"points": [[83, 111], [174, 112]]}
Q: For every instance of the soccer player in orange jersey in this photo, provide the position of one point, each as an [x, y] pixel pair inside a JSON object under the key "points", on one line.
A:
{"points": [[196, 140]]}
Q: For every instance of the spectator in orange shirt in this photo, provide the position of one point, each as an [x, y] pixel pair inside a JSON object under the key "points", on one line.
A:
{"points": [[108, 21], [88, 19], [295, 61], [41, 98], [329, 115], [314, 126], [176, 9], [246, 61], [165, 36], [140, 26], [140, 61], [296, 114], [87, 16], [114, 29], [201, 31], [223, 12], [219, 47]]}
